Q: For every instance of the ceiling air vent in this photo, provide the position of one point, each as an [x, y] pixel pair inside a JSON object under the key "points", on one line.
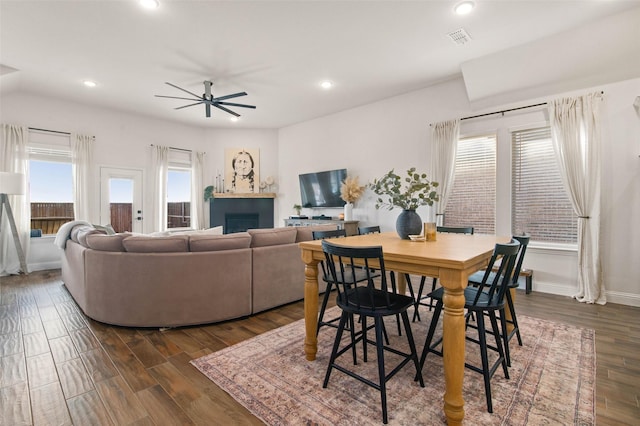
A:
{"points": [[459, 36]]}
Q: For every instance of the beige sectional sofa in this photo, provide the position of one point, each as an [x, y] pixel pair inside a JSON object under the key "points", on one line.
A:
{"points": [[177, 280]]}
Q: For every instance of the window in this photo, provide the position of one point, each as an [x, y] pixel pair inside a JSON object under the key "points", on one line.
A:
{"points": [[473, 196], [179, 190], [540, 205], [50, 182]]}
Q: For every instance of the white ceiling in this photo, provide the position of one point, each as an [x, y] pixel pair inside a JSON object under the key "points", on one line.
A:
{"points": [[276, 51]]}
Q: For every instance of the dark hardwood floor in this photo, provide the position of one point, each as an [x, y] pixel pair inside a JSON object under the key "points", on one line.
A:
{"points": [[59, 367]]}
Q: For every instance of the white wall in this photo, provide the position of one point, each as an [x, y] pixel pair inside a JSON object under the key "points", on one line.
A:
{"points": [[123, 140], [369, 141], [394, 133]]}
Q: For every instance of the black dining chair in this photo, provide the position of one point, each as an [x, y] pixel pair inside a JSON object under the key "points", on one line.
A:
{"points": [[476, 280], [446, 229], [326, 276], [375, 229], [482, 301], [364, 299]]}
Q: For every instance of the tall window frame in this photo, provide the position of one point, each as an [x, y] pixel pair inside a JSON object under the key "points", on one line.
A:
{"points": [[473, 195], [540, 206], [48, 151], [179, 173]]}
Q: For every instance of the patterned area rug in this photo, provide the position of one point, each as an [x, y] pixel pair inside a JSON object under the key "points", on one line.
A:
{"points": [[552, 380]]}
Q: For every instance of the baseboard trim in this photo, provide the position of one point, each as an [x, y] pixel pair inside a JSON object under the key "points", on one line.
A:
{"points": [[618, 297], [43, 266]]}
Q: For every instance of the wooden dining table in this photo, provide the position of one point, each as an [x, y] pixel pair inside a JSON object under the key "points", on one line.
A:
{"points": [[451, 258]]}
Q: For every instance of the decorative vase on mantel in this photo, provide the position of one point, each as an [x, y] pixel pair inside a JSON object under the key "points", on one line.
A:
{"points": [[348, 211], [408, 223]]}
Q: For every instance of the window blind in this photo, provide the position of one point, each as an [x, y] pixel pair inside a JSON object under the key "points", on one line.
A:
{"points": [[540, 205], [473, 196]]}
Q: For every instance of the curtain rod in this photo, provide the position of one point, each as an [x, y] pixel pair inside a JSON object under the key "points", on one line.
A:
{"points": [[179, 149], [510, 109], [52, 131], [503, 111]]}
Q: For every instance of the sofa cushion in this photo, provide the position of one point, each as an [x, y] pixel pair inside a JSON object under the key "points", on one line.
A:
{"points": [[106, 242], [305, 233], [211, 231], [272, 236], [203, 242], [83, 233], [143, 244]]}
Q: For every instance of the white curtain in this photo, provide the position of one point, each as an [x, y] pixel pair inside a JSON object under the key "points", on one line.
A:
{"points": [[444, 145], [82, 166], [197, 191], [13, 158], [575, 132], [160, 167]]}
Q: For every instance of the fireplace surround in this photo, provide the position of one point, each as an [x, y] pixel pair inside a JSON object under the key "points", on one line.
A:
{"points": [[239, 212]]}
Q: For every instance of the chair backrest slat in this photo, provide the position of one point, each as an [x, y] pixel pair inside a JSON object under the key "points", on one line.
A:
{"points": [[342, 264], [497, 286], [369, 230], [456, 229], [524, 242]]}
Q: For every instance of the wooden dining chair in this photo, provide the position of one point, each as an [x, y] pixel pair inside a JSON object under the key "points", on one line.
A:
{"points": [[476, 280], [364, 299], [446, 229], [482, 302], [326, 276]]}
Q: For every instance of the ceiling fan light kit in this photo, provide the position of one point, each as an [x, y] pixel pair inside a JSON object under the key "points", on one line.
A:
{"points": [[209, 100]]}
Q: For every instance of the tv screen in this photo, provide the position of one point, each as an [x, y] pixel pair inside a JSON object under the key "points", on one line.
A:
{"points": [[322, 189]]}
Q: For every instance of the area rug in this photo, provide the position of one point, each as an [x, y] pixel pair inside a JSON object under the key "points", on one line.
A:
{"points": [[552, 380]]}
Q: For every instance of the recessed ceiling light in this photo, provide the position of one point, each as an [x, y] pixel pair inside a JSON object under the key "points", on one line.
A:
{"points": [[326, 84], [464, 7], [150, 4], [234, 118], [89, 83]]}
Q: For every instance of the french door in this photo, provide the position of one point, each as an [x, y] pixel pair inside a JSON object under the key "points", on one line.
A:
{"points": [[121, 199]]}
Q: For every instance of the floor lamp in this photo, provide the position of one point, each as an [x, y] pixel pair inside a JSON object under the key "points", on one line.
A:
{"points": [[14, 184]]}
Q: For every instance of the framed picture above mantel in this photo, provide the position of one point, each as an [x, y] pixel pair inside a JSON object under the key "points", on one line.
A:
{"points": [[241, 170]]}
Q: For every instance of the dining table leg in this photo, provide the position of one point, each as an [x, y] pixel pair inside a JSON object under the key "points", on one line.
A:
{"points": [[310, 307], [453, 343]]}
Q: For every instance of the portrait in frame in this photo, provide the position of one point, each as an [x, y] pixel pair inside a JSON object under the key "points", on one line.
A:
{"points": [[242, 170]]}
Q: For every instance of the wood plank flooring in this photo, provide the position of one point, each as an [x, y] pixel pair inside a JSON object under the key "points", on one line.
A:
{"points": [[59, 367]]}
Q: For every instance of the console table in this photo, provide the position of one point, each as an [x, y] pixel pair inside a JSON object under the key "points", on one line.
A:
{"points": [[351, 226]]}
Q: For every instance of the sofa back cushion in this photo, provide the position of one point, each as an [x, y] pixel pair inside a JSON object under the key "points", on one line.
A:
{"points": [[106, 242], [203, 242], [305, 233], [142, 244], [210, 231], [272, 236]]}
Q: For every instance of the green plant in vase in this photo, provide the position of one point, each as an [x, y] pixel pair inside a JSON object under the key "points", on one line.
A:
{"points": [[408, 193]]}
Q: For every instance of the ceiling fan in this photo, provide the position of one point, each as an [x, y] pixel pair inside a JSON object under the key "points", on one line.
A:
{"points": [[208, 100]]}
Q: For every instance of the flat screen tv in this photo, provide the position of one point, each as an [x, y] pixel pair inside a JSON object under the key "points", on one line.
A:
{"points": [[322, 189]]}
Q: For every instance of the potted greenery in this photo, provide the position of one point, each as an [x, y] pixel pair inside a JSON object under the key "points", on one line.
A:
{"points": [[350, 192], [413, 191], [297, 208]]}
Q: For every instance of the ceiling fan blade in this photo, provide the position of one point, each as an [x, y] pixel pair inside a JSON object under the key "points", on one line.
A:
{"points": [[235, 105], [186, 91], [208, 109], [225, 109], [185, 106], [235, 95], [176, 97]]}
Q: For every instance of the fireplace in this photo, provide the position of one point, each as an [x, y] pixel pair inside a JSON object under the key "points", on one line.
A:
{"points": [[239, 212], [240, 222]]}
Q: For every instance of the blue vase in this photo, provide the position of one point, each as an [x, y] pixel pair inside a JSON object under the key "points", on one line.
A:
{"points": [[408, 223]]}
